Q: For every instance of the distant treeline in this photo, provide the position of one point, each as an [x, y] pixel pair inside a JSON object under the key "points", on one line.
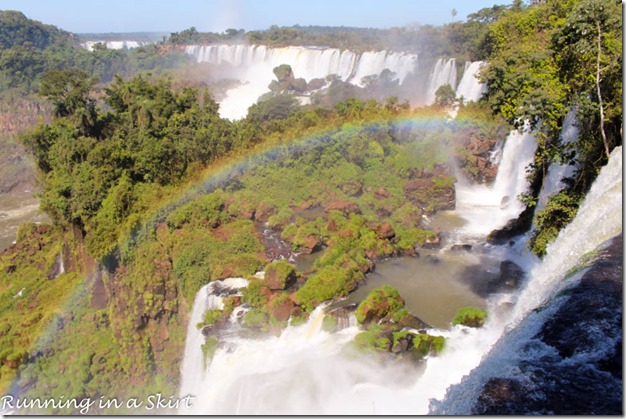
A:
{"points": [[463, 39]]}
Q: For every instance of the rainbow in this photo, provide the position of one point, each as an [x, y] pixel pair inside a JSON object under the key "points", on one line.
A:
{"points": [[226, 170]]}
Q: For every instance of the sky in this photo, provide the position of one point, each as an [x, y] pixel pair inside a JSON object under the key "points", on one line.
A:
{"points": [[101, 16]]}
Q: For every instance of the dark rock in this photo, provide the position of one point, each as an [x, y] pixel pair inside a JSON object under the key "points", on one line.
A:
{"points": [[461, 247], [316, 84], [9, 269], [413, 322], [433, 259], [582, 375], [503, 393]]}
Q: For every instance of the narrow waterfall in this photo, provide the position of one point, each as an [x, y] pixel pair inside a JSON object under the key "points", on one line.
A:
{"points": [[599, 218], [470, 88], [487, 207], [443, 73], [253, 65], [207, 298]]}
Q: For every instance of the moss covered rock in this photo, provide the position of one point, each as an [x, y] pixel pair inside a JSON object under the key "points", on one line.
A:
{"points": [[470, 316], [380, 303], [280, 275]]}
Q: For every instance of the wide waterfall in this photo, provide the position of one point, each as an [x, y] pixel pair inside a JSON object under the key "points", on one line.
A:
{"points": [[253, 65], [88, 45]]}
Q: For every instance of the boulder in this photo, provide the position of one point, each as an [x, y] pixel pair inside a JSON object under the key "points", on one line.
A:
{"points": [[281, 308], [433, 242], [385, 231], [346, 207], [461, 247], [280, 275]]}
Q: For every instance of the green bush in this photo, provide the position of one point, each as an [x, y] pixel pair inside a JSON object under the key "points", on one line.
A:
{"points": [[470, 316], [255, 318], [210, 318], [279, 274], [381, 302], [426, 344], [327, 283]]}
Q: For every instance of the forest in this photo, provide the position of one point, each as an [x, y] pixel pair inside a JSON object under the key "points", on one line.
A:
{"points": [[152, 195]]}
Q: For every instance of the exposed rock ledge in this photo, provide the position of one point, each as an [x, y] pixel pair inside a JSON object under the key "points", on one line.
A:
{"points": [[585, 375]]}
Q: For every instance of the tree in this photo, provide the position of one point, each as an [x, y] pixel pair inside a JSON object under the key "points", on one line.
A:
{"points": [[453, 14], [445, 97], [69, 91], [591, 48]]}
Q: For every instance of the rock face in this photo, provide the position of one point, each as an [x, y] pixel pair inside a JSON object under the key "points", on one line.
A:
{"points": [[582, 375]]}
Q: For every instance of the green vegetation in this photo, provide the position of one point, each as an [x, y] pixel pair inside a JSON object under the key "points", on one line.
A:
{"points": [[543, 60], [380, 303], [152, 195], [470, 316]]}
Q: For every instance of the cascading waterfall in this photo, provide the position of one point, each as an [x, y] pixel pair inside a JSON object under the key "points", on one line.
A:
{"points": [[599, 218], [470, 88], [253, 65], [207, 298], [487, 207], [306, 370], [443, 73]]}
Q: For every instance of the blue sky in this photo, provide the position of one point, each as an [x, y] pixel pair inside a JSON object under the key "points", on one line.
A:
{"points": [[217, 15]]}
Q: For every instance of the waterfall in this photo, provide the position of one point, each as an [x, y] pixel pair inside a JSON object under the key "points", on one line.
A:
{"points": [[88, 45], [306, 370], [443, 73], [599, 218], [489, 207], [470, 88], [253, 65], [207, 298]]}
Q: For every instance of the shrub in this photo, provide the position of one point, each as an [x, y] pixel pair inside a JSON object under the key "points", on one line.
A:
{"points": [[208, 349], [381, 302], [426, 344], [210, 317], [327, 283], [279, 275], [255, 318], [470, 316]]}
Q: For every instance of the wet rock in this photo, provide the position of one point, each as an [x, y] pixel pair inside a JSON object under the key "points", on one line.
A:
{"points": [[281, 309], [582, 373], [461, 248], [432, 259], [433, 242], [316, 84], [503, 393]]}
